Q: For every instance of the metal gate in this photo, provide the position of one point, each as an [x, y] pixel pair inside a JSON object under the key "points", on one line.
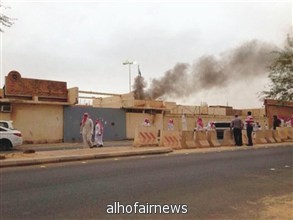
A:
{"points": [[114, 121]]}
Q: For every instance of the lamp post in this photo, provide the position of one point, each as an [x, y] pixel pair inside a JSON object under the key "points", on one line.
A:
{"points": [[129, 63]]}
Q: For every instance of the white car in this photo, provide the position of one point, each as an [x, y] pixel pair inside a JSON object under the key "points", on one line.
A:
{"points": [[9, 138]]}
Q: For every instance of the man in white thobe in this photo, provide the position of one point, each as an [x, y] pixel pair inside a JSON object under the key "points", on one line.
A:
{"points": [[86, 130], [99, 131]]}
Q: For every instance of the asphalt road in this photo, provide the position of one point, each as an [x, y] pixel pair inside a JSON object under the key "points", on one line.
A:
{"points": [[223, 185]]}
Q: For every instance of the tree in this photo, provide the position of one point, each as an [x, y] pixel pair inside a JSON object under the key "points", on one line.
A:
{"points": [[5, 20], [281, 76]]}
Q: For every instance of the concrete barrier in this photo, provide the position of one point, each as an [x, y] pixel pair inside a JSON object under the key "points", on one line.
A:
{"points": [[259, 137], [212, 138], [201, 139], [269, 136], [244, 137], [145, 136], [228, 138], [276, 136], [171, 139], [283, 133], [290, 132], [188, 140]]}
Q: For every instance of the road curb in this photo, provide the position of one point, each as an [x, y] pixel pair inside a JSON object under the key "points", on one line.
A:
{"points": [[71, 158], [232, 148]]}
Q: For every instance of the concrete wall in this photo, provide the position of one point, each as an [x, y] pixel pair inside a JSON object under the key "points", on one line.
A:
{"points": [[160, 121], [48, 123], [114, 121], [38, 123], [136, 119], [281, 109]]}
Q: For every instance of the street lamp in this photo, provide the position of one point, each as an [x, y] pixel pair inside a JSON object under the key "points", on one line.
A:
{"points": [[129, 63]]}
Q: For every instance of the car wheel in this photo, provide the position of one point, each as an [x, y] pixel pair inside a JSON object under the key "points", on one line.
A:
{"points": [[5, 145]]}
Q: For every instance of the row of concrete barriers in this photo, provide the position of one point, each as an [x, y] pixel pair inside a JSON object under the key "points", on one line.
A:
{"points": [[150, 136]]}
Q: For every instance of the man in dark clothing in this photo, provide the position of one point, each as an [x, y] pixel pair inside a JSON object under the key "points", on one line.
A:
{"points": [[249, 128], [276, 122], [237, 126]]}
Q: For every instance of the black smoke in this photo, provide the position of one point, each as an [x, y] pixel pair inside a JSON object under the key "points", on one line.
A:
{"points": [[248, 61]]}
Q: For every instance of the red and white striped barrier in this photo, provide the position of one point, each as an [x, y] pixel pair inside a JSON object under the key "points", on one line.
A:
{"points": [[145, 136]]}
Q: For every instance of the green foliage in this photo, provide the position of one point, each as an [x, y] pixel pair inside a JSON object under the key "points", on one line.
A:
{"points": [[281, 76]]}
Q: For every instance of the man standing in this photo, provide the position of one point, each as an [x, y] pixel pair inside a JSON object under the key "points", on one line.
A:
{"points": [[249, 128], [199, 124], [237, 126], [86, 130], [99, 132], [184, 123], [170, 124], [276, 122], [146, 122]]}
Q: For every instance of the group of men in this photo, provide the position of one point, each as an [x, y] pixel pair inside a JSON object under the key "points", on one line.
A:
{"points": [[237, 126], [87, 130]]}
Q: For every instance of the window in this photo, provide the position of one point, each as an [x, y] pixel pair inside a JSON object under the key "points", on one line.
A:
{"points": [[4, 124]]}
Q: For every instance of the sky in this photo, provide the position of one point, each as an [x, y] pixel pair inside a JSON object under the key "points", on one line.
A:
{"points": [[85, 43]]}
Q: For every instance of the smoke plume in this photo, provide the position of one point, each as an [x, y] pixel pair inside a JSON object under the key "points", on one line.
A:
{"points": [[248, 61]]}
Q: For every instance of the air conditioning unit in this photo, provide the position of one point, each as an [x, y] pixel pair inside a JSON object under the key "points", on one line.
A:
{"points": [[6, 107]]}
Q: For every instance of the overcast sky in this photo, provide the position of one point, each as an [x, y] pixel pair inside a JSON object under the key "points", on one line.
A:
{"points": [[85, 42]]}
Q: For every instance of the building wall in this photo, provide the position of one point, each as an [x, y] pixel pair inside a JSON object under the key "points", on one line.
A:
{"points": [[136, 119], [283, 110], [47, 123], [160, 121], [191, 120], [5, 116], [38, 123]]}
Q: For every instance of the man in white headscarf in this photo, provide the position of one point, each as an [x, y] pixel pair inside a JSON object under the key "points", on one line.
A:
{"points": [[184, 123], [86, 130], [99, 132]]}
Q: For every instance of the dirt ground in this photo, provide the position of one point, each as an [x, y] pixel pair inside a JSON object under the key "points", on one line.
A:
{"points": [[278, 207], [268, 208]]}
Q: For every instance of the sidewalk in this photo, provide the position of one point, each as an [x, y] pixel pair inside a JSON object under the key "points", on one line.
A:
{"points": [[19, 158], [65, 154]]}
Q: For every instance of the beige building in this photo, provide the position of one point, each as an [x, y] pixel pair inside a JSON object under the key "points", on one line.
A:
{"points": [[37, 109]]}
